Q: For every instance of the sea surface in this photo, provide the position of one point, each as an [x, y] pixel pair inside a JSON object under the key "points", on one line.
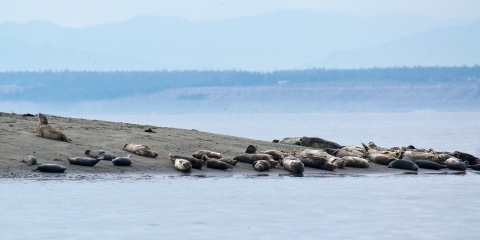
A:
{"points": [[378, 206]]}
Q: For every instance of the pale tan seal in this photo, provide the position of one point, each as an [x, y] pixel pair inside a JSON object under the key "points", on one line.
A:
{"points": [[292, 164], [196, 163], [123, 161], [320, 159], [182, 165], [250, 158], [356, 162], [140, 149], [261, 165], [198, 154], [215, 163], [47, 131], [83, 161]]}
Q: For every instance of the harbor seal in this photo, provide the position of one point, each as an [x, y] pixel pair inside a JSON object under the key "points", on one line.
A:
{"points": [[250, 158], [459, 166], [341, 153], [216, 164], [316, 142], [100, 155], [228, 161], [196, 163], [83, 161], [475, 167], [355, 150], [472, 160], [403, 164], [320, 159], [199, 154], [140, 149], [51, 168], [356, 162], [47, 131], [291, 141], [123, 161], [276, 155], [292, 164], [251, 149], [182, 165], [29, 159], [261, 165], [429, 165]]}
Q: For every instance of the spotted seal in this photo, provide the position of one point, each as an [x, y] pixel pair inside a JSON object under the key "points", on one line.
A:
{"points": [[261, 165], [315, 158], [83, 161], [199, 154], [47, 131], [250, 158], [182, 165], [140, 149], [475, 167], [51, 168], [459, 166], [472, 160], [251, 149], [29, 159], [356, 162], [292, 164], [276, 155], [123, 161], [429, 165], [216, 164], [403, 164], [196, 163], [100, 154], [316, 142]]}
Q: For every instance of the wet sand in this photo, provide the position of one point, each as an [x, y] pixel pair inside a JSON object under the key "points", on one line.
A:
{"points": [[18, 138]]}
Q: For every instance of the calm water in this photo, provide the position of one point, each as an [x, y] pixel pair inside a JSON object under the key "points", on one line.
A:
{"points": [[370, 207]]}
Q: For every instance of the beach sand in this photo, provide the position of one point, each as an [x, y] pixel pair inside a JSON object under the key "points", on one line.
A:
{"points": [[18, 138]]}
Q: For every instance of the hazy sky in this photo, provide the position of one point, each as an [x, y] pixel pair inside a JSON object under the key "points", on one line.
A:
{"points": [[82, 13]]}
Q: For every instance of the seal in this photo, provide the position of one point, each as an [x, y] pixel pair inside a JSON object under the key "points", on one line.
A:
{"points": [[290, 140], [198, 154], [475, 167], [196, 163], [123, 161], [355, 150], [292, 164], [216, 164], [29, 160], [251, 149], [472, 160], [459, 166], [250, 158], [51, 168], [182, 165], [275, 154], [403, 164], [140, 149], [47, 131], [100, 155], [414, 156], [356, 162], [320, 159], [341, 153], [261, 165], [316, 142], [228, 161], [83, 161], [429, 165]]}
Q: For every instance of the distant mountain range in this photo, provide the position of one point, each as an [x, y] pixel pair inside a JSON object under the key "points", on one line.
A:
{"points": [[280, 40]]}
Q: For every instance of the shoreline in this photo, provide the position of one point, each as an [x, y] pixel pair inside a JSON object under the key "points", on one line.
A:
{"points": [[19, 138]]}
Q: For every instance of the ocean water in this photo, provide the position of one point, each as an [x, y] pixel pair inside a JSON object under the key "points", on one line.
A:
{"points": [[423, 206]]}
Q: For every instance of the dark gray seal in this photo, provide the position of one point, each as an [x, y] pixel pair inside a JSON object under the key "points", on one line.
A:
{"points": [[83, 161], [459, 166], [100, 154], [251, 149], [123, 161], [472, 160], [403, 164], [429, 165], [475, 167], [29, 160], [51, 168], [261, 165]]}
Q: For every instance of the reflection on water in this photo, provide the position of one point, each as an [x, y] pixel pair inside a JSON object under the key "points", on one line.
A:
{"points": [[285, 207]]}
